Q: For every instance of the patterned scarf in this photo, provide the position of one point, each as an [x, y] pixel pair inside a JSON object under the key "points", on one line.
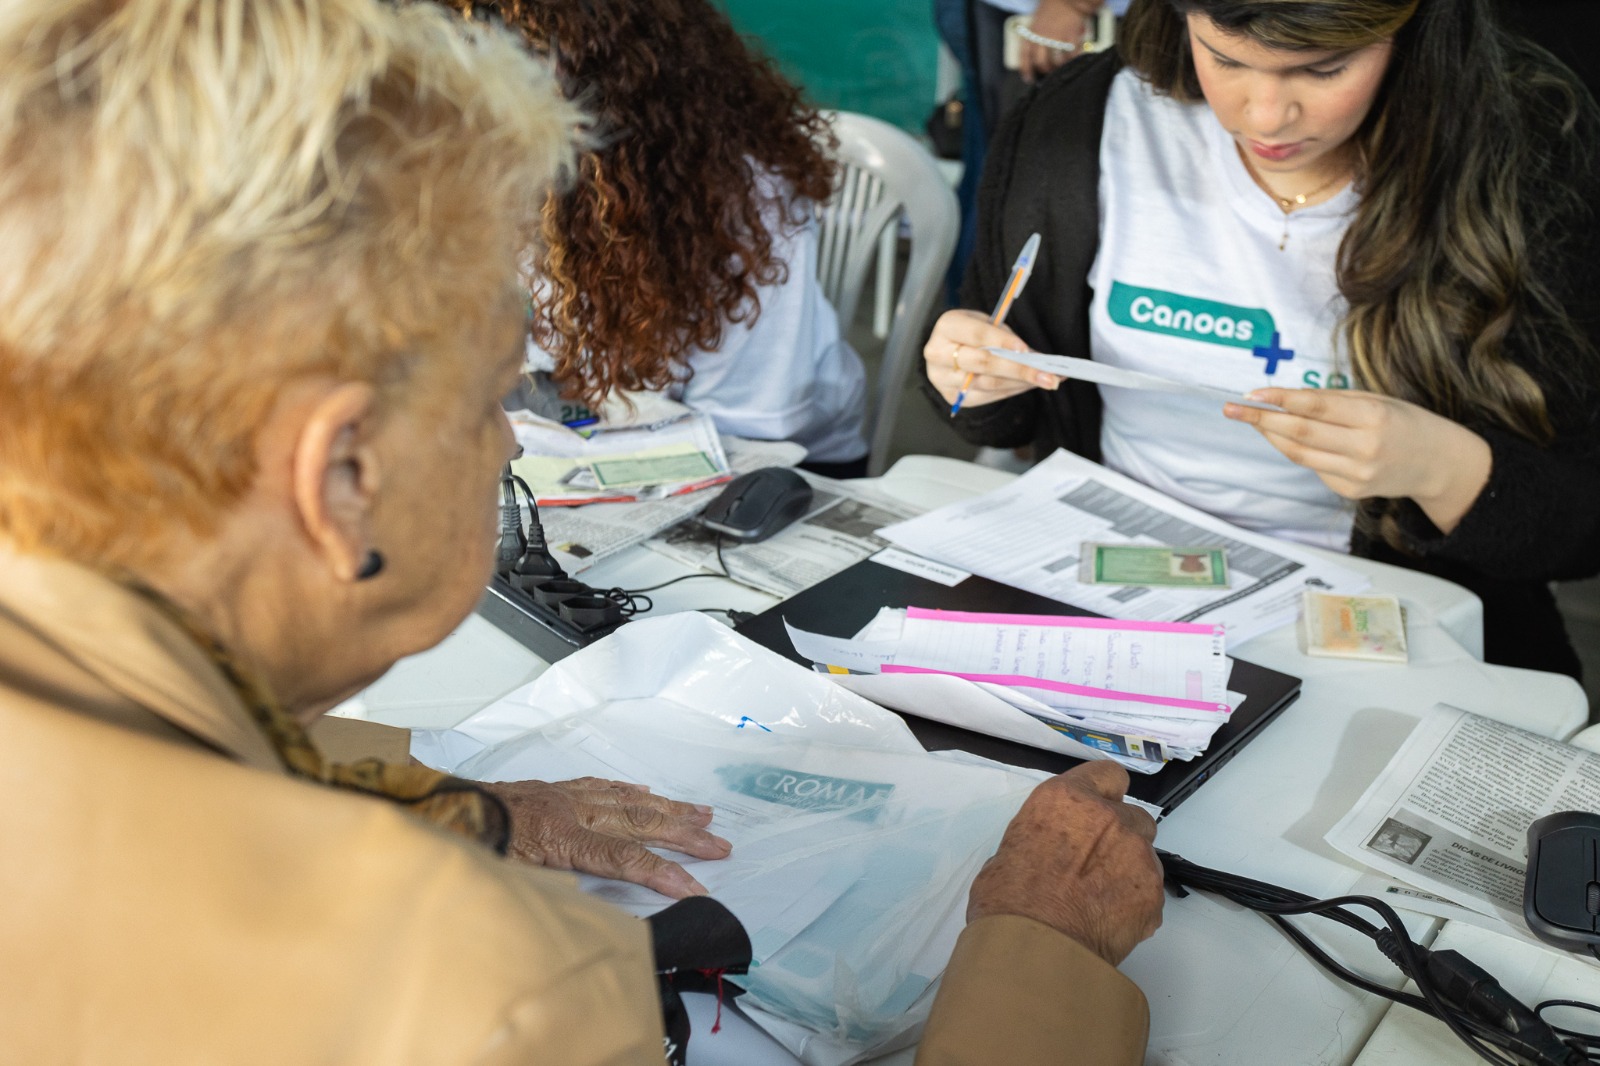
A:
{"points": [[439, 799]]}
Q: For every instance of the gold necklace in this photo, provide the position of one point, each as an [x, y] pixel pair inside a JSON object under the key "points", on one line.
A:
{"points": [[1287, 204]]}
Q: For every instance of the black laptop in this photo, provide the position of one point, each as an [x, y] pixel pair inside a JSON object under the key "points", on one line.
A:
{"points": [[847, 601]]}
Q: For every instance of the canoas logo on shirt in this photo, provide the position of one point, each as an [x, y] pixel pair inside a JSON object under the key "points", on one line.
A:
{"points": [[1177, 315], [1209, 321]]}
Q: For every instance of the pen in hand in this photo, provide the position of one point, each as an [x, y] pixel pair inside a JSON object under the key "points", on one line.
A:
{"points": [[1021, 270]]}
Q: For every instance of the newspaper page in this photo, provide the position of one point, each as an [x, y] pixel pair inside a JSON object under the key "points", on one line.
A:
{"points": [[1450, 813], [579, 537], [1029, 534], [839, 530]]}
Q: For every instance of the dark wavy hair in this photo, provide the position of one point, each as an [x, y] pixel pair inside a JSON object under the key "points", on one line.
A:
{"points": [[1467, 168], [700, 147]]}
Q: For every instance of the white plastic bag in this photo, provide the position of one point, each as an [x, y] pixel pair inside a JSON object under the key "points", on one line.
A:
{"points": [[853, 848]]}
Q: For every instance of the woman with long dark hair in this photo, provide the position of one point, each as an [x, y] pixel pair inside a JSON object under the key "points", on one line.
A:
{"points": [[683, 258], [1376, 214]]}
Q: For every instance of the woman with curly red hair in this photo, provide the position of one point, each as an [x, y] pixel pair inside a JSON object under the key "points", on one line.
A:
{"points": [[683, 258]]}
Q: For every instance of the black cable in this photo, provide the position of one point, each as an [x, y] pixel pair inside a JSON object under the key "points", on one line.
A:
{"points": [[685, 577], [513, 543], [1591, 1041], [1463, 996], [735, 617], [664, 584]]}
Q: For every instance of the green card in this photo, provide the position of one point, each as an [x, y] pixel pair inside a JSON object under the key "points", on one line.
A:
{"points": [[652, 469], [1146, 564]]}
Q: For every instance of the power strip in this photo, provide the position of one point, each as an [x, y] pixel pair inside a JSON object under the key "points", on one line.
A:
{"points": [[556, 627]]}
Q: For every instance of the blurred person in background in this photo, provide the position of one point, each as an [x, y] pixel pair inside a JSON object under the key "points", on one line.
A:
{"points": [[684, 258]]}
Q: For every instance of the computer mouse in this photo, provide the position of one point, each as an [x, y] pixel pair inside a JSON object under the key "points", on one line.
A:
{"points": [[756, 505], [1561, 896]]}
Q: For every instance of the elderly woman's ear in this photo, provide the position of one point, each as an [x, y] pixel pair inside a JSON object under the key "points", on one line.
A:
{"points": [[336, 474]]}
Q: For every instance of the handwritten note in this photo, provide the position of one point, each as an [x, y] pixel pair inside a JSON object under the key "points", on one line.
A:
{"points": [[1079, 663]]}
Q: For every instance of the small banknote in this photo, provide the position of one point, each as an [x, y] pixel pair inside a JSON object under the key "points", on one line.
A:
{"points": [[1353, 627], [1145, 564]]}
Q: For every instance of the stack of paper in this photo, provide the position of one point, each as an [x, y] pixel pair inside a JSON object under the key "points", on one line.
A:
{"points": [[608, 462], [1138, 692], [1030, 534]]}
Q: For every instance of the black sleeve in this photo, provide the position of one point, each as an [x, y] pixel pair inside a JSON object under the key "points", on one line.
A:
{"points": [[1538, 518], [1007, 423], [1041, 175]]}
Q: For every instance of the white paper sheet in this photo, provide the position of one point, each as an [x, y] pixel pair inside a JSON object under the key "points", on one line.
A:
{"points": [[557, 462], [1136, 731], [966, 705], [1094, 664], [1069, 366], [1028, 534]]}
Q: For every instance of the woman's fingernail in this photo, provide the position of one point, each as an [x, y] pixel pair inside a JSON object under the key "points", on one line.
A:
{"points": [[703, 808]]}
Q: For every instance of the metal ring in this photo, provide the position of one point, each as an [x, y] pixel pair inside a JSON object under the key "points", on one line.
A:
{"points": [[955, 358]]}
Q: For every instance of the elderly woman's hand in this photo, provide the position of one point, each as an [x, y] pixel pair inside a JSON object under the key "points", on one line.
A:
{"points": [[601, 827], [1078, 859]]}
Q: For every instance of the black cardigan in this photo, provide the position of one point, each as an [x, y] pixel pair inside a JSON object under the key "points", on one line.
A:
{"points": [[1537, 519]]}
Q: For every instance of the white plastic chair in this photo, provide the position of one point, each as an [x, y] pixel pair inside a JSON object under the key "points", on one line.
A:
{"points": [[885, 174]]}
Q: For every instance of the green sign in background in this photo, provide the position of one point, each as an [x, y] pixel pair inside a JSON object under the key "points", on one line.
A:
{"points": [[875, 56]]}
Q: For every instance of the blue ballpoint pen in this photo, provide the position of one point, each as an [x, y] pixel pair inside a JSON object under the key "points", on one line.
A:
{"points": [[1020, 272]]}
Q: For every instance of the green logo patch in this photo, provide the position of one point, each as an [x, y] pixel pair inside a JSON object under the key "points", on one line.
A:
{"points": [[1176, 315]]}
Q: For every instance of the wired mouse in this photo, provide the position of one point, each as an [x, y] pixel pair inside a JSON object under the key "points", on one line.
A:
{"points": [[1561, 899], [756, 505]]}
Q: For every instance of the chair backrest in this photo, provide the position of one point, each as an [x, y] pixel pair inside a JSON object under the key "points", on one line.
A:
{"points": [[884, 175]]}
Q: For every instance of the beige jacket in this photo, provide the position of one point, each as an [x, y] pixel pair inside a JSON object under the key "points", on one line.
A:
{"points": [[169, 895]]}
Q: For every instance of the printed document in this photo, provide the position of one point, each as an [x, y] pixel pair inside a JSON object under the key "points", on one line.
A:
{"points": [[1079, 663], [1029, 534], [1450, 813], [840, 529], [579, 537], [566, 466], [1139, 693]]}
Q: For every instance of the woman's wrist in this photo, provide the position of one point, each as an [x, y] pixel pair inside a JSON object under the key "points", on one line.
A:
{"points": [[1466, 463]]}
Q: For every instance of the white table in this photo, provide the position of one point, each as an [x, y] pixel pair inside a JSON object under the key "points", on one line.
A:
{"points": [[1225, 987]]}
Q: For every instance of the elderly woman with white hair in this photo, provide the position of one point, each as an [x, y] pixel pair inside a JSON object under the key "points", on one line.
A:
{"points": [[258, 305]]}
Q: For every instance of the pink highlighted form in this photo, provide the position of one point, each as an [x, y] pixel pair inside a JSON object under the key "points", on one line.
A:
{"points": [[1069, 621], [1021, 681]]}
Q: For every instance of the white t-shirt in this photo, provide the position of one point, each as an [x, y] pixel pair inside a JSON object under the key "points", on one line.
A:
{"points": [[790, 374], [1190, 283]]}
